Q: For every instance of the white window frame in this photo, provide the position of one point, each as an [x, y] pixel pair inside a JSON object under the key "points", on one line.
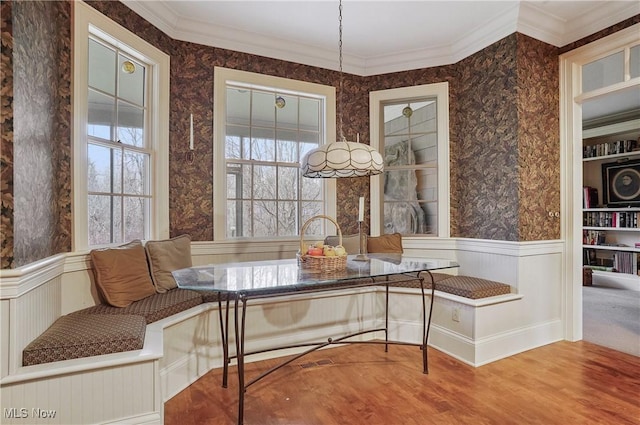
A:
{"points": [[376, 100], [224, 76], [88, 21]]}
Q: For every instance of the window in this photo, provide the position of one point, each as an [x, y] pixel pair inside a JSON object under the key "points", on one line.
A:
{"points": [[120, 134], [264, 125], [410, 128]]}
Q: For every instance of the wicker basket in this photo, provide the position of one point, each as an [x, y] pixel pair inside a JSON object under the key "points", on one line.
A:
{"points": [[321, 263]]}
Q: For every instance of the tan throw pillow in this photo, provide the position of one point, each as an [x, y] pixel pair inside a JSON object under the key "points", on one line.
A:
{"points": [[122, 274], [349, 242], [166, 256], [391, 243]]}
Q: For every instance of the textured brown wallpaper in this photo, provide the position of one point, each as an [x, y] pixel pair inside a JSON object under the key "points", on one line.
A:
{"points": [[41, 131], [538, 139], [6, 127], [503, 131]]}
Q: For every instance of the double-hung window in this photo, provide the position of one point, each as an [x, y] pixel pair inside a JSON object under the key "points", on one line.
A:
{"points": [[120, 134], [264, 126]]}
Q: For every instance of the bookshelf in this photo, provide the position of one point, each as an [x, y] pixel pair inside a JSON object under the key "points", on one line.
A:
{"points": [[611, 233]]}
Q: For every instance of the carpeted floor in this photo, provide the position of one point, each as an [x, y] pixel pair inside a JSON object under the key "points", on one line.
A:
{"points": [[611, 317]]}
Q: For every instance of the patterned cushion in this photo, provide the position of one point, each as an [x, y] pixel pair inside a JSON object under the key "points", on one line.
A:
{"points": [[472, 287], [464, 286], [74, 336], [153, 308], [401, 281]]}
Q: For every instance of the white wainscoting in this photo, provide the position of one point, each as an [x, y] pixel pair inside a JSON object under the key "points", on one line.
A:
{"points": [[132, 387]]}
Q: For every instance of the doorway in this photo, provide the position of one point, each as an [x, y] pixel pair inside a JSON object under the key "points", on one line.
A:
{"points": [[579, 99]]}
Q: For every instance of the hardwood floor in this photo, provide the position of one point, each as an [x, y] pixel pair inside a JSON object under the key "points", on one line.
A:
{"points": [[562, 383]]}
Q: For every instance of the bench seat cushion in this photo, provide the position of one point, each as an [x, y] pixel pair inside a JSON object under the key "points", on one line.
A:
{"points": [[154, 307], [463, 286], [472, 287], [75, 335]]}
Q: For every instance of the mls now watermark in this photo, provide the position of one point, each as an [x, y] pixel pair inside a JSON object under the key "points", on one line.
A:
{"points": [[24, 413]]}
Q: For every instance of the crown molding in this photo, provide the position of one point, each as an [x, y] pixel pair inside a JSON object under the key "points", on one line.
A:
{"points": [[525, 17], [543, 26]]}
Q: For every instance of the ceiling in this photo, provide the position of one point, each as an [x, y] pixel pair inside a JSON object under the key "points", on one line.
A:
{"points": [[385, 36], [378, 36]]}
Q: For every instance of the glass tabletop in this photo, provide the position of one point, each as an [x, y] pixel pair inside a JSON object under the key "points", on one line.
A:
{"points": [[254, 277]]}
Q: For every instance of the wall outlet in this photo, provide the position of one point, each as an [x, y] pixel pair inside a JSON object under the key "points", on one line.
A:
{"points": [[455, 314]]}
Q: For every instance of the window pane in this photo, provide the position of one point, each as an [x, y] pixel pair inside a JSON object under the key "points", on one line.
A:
{"points": [[264, 218], [287, 116], [634, 61], [101, 115], [287, 218], [425, 149], [263, 109], [135, 210], [311, 209], [238, 106], [104, 219], [238, 219], [603, 72], [234, 146], [263, 147], [99, 215], [99, 169], [310, 114], [266, 175], [102, 67], [130, 125], [117, 219], [239, 181], [288, 183], [135, 173], [131, 86], [287, 146], [308, 141], [311, 189]]}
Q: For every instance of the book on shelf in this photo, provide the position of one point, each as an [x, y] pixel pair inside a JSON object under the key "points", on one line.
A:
{"points": [[610, 148], [617, 219], [593, 237], [589, 197]]}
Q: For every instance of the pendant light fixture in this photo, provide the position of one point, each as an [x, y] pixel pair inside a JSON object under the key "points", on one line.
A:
{"points": [[342, 158]]}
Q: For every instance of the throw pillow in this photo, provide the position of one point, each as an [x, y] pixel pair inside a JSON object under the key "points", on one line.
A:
{"points": [[349, 242], [166, 256], [122, 274], [391, 243]]}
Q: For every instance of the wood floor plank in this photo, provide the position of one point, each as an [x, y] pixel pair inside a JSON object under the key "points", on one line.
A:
{"points": [[561, 383]]}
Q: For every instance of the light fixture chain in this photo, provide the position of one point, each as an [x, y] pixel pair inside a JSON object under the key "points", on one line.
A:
{"points": [[341, 78]]}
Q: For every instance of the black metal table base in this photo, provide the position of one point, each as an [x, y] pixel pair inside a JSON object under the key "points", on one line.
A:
{"points": [[240, 307]]}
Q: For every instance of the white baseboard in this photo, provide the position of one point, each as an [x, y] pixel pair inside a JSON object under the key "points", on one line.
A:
{"points": [[496, 347]]}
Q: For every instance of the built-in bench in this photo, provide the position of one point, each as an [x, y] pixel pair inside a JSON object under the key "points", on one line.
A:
{"points": [[104, 329]]}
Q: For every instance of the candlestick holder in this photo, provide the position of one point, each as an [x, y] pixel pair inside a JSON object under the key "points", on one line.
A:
{"points": [[362, 247]]}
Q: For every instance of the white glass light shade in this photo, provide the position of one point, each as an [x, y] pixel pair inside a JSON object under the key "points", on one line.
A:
{"points": [[342, 159]]}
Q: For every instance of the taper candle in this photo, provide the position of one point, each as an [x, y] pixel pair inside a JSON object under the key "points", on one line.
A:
{"points": [[191, 132]]}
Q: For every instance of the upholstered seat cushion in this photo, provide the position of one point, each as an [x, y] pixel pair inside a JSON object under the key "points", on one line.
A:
{"points": [[153, 308], [402, 281], [463, 286], [472, 287], [83, 335]]}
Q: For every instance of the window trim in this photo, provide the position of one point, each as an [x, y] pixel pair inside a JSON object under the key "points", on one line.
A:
{"points": [[88, 21], [376, 98], [222, 76]]}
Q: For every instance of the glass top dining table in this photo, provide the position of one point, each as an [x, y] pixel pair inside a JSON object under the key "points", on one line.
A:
{"points": [[256, 277]]}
